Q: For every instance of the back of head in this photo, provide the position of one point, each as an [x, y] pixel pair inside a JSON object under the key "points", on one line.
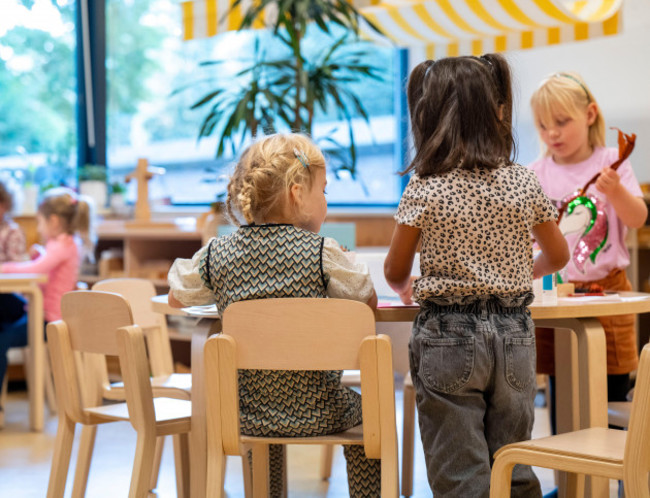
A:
{"points": [[259, 187], [74, 210], [6, 199], [566, 94], [461, 114]]}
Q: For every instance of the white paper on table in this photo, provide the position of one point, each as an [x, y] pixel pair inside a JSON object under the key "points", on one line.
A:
{"points": [[207, 310], [607, 298]]}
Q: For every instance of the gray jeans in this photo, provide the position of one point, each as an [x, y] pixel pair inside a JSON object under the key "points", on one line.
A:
{"points": [[473, 367]]}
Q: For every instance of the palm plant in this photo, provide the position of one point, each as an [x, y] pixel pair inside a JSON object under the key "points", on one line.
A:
{"points": [[271, 93]]}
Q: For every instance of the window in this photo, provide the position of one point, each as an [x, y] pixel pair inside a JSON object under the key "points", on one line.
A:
{"points": [[153, 78], [37, 95]]}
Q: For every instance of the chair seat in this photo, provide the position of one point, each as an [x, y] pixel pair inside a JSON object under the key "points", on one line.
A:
{"points": [[597, 444], [167, 409], [177, 386], [351, 436], [618, 413]]}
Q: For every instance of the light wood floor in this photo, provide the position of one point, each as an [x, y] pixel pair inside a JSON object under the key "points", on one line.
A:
{"points": [[25, 461]]}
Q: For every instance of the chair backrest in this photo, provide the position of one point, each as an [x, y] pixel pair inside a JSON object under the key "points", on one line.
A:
{"points": [[138, 292], [299, 334], [95, 325], [637, 446], [344, 233]]}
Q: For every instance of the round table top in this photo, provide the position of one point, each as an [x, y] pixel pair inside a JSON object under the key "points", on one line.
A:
{"points": [[22, 278], [569, 307]]}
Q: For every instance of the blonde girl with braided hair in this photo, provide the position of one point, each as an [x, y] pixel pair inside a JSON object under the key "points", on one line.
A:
{"points": [[276, 196], [63, 219]]}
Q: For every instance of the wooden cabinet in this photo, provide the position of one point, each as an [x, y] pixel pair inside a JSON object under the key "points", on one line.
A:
{"points": [[146, 252]]}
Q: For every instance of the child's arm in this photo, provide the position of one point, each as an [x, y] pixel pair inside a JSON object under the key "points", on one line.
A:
{"points": [[555, 251], [399, 261], [186, 288], [631, 210], [53, 255], [372, 302], [173, 302]]}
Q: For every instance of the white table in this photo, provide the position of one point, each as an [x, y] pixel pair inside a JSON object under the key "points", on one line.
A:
{"points": [[28, 285]]}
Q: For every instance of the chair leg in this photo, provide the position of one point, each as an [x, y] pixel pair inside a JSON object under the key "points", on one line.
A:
{"points": [[501, 479], [247, 471], [326, 457], [84, 456], [3, 400], [408, 436], [145, 451], [182, 464], [61, 457], [50, 396], [155, 471], [216, 474], [260, 470]]}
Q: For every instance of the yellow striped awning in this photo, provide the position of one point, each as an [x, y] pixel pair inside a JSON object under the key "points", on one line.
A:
{"points": [[447, 27]]}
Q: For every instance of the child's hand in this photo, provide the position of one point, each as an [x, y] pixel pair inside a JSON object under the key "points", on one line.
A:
{"points": [[608, 181], [36, 251], [406, 296]]}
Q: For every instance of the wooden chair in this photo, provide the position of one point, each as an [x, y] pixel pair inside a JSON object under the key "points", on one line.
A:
{"points": [[138, 292], [95, 325], [165, 383], [609, 453], [298, 334]]}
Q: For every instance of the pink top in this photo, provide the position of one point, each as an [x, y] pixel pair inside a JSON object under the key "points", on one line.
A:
{"points": [[60, 261], [595, 234]]}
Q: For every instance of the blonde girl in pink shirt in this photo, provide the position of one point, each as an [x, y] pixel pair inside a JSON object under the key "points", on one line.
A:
{"points": [[572, 129], [62, 214]]}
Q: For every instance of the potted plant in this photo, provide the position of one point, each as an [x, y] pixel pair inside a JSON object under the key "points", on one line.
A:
{"points": [[118, 198], [92, 183], [286, 91]]}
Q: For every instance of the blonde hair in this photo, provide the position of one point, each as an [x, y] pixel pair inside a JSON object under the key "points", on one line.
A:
{"points": [[75, 211], [265, 173], [567, 92]]}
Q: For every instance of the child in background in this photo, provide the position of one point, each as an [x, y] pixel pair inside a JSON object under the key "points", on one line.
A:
{"points": [[12, 248], [278, 187], [572, 129], [60, 214], [472, 209], [12, 239]]}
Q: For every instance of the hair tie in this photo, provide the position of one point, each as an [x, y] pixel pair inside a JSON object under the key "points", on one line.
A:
{"points": [[301, 157], [485, 60], [576, 80]]}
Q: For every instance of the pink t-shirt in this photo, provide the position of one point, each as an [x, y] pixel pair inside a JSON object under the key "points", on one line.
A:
{"points": [[60, 262], [595, 234]]}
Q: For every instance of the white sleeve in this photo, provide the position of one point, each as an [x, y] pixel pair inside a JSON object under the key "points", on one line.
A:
{"points": [[186, 283], [347, 280]]}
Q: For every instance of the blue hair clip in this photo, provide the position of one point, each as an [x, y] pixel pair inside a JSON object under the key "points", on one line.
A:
{"points": [[301, 157]]}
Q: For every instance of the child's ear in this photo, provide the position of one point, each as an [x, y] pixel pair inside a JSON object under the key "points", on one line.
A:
{"points": [[592, 113], [295, 193]]}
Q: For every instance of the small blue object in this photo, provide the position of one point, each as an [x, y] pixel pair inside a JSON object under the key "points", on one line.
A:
{"points": [[547, 282]]}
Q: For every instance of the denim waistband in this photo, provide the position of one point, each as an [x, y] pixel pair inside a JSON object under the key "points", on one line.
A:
{"points": [[482, 304]]}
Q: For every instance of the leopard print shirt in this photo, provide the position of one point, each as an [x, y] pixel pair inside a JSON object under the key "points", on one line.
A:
{"points": [[475, 238]]}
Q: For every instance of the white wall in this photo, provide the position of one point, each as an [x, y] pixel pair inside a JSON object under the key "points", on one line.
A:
{"points": [[617, 70]]}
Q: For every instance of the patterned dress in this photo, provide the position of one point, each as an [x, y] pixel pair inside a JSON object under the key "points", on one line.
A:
{"points": [[281, 261]]}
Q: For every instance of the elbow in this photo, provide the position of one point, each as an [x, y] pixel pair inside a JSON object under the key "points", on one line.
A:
{"points": [[173, 302], [393, 277], [641, 219], [560, 258]]}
